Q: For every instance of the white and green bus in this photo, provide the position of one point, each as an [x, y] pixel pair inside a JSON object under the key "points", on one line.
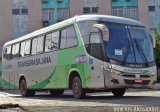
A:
{"points": [[86, 53]]}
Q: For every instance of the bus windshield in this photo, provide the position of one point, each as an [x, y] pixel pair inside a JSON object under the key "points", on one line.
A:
{"points": [[129, 44]]}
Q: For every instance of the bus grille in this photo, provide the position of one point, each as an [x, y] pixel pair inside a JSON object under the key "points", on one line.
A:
{"points": [[131, 82]]}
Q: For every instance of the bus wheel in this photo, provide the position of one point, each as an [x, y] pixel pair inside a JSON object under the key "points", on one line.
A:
{"points": [[57, 92], [78, 91], [119, 92], [24, 91]]}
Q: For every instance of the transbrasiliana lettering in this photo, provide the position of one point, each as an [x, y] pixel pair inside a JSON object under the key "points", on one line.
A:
{"points": [[34, 62]]}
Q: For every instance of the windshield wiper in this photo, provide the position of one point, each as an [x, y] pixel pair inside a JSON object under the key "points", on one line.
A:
{"points": [[141, 53], [126, 54]]}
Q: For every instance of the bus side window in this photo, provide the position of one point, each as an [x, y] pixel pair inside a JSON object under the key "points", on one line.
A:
{"points": [[7, 52], [40, 43], [15, 51], [25, 48], [34, 46], [52, 41], [22, 49], [68, 38], [48, 46]]}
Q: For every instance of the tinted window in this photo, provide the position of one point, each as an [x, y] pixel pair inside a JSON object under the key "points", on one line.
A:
{"points": [[68, 38], [7, 52], [15, 51], [52, 41]]}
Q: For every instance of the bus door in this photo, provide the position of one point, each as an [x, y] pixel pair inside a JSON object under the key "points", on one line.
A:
{"points": [[96, 60], [96, 70]]}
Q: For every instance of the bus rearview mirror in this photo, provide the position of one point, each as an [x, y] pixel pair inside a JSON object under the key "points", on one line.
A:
{"points": [[153, 39], [104, 29]]}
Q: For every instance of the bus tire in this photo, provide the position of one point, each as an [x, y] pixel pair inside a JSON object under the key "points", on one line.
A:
{"points": [[78, 91], [56, 92], [24, 91], [118, 92]]}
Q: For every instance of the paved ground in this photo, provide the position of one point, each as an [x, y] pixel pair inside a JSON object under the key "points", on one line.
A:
{"points": [[93, 102]]}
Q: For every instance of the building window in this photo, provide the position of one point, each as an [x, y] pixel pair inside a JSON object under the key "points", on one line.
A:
{"points": [[20, 11], [114, 0], [53, 16], [90, 2], [62, 14], [94, 9], [15, 11], [151, 8], [128, 13], [24, 11], [86, 10], [90, 6], [90, 10]]}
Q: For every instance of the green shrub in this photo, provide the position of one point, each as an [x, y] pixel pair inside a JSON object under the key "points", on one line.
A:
{"points": [[157, 49]]}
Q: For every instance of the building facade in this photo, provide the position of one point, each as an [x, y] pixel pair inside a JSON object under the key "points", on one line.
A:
{"points": [[154, 15], [25, 17], [54, 11], [18, 17], [125, 8], [134, 9], [79, 7]]}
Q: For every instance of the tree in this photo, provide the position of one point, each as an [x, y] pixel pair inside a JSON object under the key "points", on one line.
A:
{"points": [[157, 49]]}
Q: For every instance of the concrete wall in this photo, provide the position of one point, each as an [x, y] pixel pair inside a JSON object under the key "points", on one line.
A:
{"points": [[34, 21], [76, 7], [154, 16], [20, 21], [35, 15], [143, 12], [5, 22]]}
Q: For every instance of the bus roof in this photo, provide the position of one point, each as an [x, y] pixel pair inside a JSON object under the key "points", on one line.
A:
{"points": [[107, 18], [114, 19]]}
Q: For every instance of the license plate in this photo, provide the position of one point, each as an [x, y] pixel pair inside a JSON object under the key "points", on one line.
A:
{"points": [[138, 81]]}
